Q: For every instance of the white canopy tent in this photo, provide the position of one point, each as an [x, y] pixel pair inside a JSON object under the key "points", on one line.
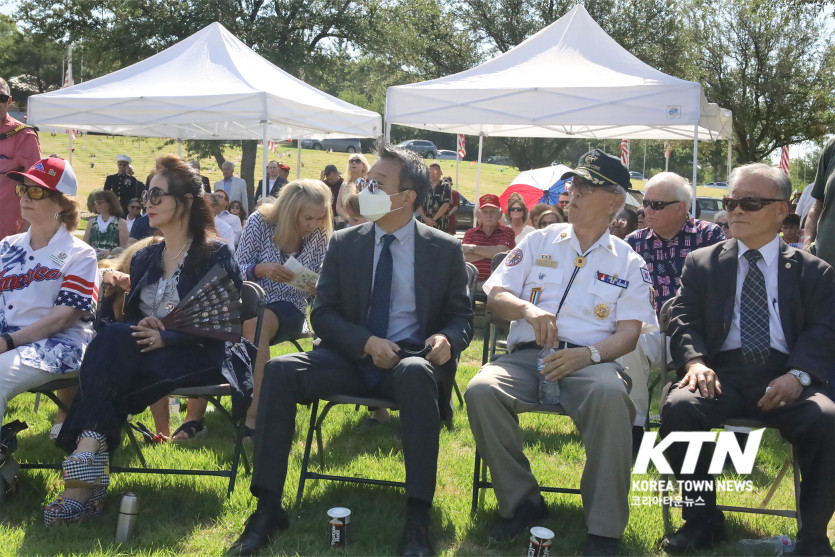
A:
{"points": [[208, 86], [569, 80]]}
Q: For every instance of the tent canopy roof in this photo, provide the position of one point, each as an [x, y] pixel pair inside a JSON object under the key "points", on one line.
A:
{"points": [[570, 79], [208, 86]]}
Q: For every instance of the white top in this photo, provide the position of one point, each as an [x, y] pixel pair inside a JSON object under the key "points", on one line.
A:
{"points": [[613, 285], [768, 264], [225, 232], [103, 224], [64, 272], [234, 223], [130, 222], [525, 231]]}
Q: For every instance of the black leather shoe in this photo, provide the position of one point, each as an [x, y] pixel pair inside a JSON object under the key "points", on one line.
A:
{"points": [[527, 514], [259, 527], [696, 534], [416, 542], [814, 547], [600, 546]]}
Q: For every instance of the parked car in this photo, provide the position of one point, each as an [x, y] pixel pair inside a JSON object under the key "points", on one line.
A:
{"points": [[422, 147], [447, 155], [341, 145], [635, 175], [499, 159], [464, 215], [708, 207], [716, 185]]}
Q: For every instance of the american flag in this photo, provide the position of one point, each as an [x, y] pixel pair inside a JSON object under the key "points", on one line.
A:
{"points": [[784, 160], [624, 152], [462, 146]]}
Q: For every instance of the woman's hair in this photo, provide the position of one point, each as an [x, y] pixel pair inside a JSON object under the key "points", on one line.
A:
{"points": [[365, 166], [114, 207], [284, 213], [69, 211], [122, 264], [512, 201], [352, 205], [135, 200], [242, 213], [537, 210], [182, 182], [548, 211]]}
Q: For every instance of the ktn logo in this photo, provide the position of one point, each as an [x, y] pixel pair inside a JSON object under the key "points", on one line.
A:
{"points": [[726, 446]]}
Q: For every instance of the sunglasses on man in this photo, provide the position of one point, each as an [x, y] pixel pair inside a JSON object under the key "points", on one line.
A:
{"points": [[153, 196], [658, 205], [33, 192], [747, 203], [4, 98]]}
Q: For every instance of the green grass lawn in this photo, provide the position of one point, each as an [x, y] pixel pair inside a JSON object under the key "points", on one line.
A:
{"points": [[191, 516]]}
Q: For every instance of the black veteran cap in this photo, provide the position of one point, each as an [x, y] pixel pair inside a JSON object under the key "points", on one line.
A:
{"points": [[600, 169]]}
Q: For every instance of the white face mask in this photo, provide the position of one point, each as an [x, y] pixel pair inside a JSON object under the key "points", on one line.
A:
{"points": [[374, 206]]}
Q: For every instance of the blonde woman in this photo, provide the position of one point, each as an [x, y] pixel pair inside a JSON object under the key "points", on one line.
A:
{"points": [[357, 168], [298, 224]]}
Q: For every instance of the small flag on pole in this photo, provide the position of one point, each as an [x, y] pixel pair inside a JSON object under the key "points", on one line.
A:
{"points": [[271, 146], [784, 160], [462, 146], [668, 149], [624, 152]]}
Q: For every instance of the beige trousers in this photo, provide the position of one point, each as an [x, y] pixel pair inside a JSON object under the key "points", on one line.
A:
{"points": [[594, 397]]}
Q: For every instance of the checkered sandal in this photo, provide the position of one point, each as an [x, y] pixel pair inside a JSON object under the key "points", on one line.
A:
{"points": [[82, 470]]}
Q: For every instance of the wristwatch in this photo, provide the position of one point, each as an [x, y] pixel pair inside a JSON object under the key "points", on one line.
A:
{"points": [[802, 376], [595, 355]]}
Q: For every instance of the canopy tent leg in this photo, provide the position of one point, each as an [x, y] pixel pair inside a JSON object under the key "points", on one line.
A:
{"points": [[730, 155], [478, 172], [695, 164], [388, 133], [298, 159], [264, 142], [69, 136]]}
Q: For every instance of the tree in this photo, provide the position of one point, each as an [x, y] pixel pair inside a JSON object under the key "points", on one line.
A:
{"points": [[772, 63]]}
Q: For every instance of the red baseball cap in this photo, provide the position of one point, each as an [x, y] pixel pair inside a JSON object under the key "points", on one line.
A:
{"points": [[489, 200], [52, 173], [283, 166]]}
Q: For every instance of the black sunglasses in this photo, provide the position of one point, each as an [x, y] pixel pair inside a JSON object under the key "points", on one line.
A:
{"points": [[355, 160], [747, 203], [34, 192], [658, 205], [153, 196], [516, 210], [4, 98], [725, 225]]}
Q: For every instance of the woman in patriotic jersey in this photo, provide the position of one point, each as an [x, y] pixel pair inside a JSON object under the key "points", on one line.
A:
{"points": [[49, 284]]}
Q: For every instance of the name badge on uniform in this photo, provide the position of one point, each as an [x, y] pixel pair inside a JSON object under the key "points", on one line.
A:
{"points": [[545, 260], [612, 279], [59, 256]]}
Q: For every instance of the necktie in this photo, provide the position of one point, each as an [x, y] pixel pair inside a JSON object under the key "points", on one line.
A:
{"points": [[753, 313], [378, 314]]}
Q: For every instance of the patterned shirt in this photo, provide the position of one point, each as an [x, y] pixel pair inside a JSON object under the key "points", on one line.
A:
{"points": [[501, 236], [665, 258], [17, 152], [257, 246]]}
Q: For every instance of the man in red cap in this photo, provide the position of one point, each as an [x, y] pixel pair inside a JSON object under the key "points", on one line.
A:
{"points": [[19, 149], [489, 237]]}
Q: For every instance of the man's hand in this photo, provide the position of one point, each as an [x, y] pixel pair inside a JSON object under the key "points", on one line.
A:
{"points": [[701, 376], [783, 390], [441, 350], [565, 362], [544, 325], [429, 221], [276, 272], [382, 351]]}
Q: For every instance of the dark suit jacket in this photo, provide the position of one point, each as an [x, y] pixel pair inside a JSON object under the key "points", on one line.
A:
{"points": [[125, 194], [343, 295], [701, 316]]}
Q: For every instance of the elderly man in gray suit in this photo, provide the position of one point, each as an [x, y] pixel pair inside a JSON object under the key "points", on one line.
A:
{"points": [[387, 288], [234, 187]]}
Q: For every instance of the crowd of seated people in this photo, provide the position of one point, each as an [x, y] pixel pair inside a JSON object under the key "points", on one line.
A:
{"points": [[107, 233], [372, 309]]}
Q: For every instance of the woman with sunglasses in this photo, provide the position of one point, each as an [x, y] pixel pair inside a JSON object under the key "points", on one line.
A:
{"points": [[134, 212], [235, 208], [49, 284], [517, 217], [357, 168], [134, 363], [547, 218], [107, 231]]}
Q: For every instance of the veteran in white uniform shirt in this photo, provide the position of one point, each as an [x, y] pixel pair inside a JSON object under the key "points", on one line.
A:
{"points": [[575, 287]]}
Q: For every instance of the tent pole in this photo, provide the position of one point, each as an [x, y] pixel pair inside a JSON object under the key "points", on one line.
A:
{"points": [[179, 147], [298, 159], [264, 142], [69, 135], [730, 155], [695, 160], [457, 164], [644, 169], [478, 170], [388, 133]]}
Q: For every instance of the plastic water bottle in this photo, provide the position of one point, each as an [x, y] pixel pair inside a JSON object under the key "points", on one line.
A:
{"points": [[174, 412], [774, 545], [549, 391]]}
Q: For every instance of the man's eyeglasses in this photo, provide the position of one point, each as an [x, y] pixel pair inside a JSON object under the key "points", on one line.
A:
{"points": [[153, 196], [4, 98], [137, 207], [372, 185], [658, 205], [619, 223], [724, 225], [33, 192], [747, 203]]}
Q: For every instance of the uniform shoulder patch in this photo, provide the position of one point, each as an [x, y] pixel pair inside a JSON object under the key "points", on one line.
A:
{"points": [[513, 258], [645, 275]]}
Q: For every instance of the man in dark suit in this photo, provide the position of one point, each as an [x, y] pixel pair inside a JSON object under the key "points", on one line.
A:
{"points": [[752, 332], [125, 186], [389, 285]]}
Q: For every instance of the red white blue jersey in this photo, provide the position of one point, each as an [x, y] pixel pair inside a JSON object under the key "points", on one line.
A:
{"points": [[32, 282]]}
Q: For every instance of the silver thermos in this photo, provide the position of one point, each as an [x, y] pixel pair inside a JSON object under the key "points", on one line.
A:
{"points": [[128, 511]]}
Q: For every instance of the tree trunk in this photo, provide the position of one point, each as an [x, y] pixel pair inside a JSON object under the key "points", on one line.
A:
{"points": [[249, 152]]}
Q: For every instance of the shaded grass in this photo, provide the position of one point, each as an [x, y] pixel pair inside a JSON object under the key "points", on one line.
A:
{"points": [[191, 516]]}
